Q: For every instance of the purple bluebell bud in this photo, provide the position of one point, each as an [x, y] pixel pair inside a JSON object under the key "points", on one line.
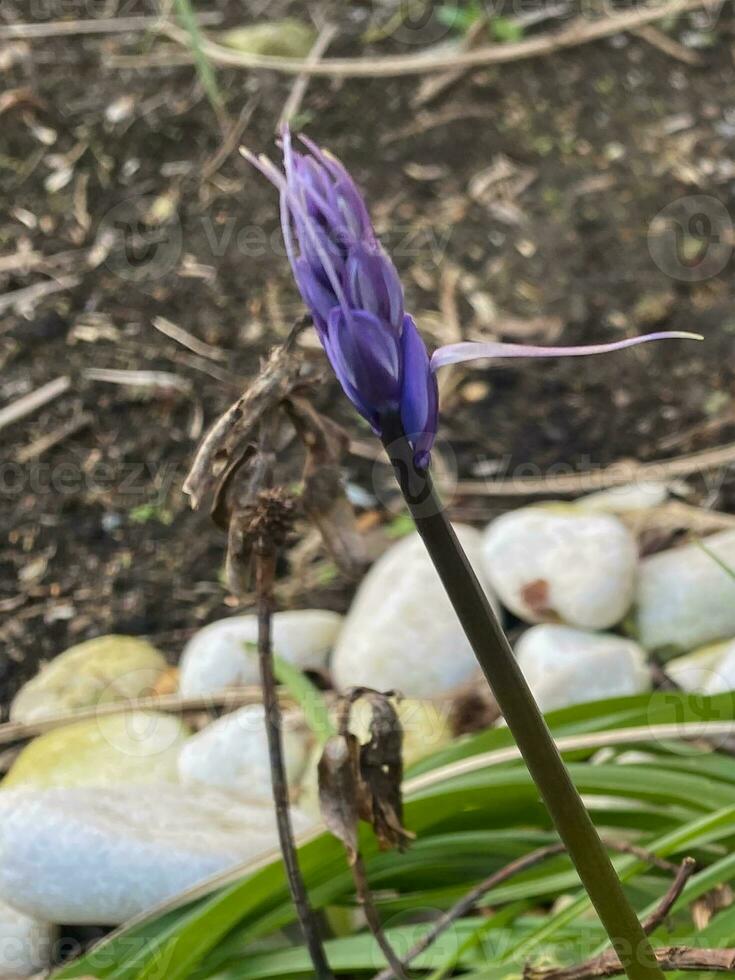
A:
{"points": [[353, 292]]}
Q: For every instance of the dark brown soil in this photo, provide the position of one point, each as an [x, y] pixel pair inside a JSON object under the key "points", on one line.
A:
{"points": [[593, 144]]}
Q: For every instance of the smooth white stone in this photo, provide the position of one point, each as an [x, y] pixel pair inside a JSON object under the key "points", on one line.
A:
{"points": [[26, 944], [99, 856], [565, 666], [232, 753], [224, 654], [133, 747], [108, 668], [401, 632], [556, 563], [685, 599], [696, 670]]}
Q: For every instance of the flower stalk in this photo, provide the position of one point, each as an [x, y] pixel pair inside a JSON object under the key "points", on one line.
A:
{"points": [[521, 712]]}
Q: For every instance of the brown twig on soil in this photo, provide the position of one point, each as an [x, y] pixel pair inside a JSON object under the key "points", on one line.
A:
{"points": [[50, 439], [28, 296], [615, 475], [433, 86], [97, 25], [34, 400], [231, 140], [657, 39], [528, 861], [165, 380], [188, 340], [296, 96], [581, 31]]}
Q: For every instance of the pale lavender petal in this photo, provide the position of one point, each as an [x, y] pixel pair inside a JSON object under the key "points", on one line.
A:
{"points": [[473, 351]]}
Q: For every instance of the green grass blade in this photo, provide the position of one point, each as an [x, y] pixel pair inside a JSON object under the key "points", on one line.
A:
{"points": [[308, 698], [203, 66]]}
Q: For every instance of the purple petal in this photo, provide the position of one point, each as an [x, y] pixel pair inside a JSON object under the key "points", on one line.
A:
{"points": [[419, 395], [353, 207], [372, 284], [365, 356], [318, 297], [471, 351], [292, 204]]}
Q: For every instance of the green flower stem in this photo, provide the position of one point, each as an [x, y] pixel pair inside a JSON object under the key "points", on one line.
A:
{"points": [[522, 714]]}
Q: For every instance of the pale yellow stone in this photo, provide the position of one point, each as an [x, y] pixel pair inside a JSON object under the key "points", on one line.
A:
{"points": [[134, 747], [106, 669]]}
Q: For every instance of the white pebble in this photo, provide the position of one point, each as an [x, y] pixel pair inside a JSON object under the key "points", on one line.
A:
{"points": [[232, 754], [224, 654], [556, 563], [26, 944], [401, 632], [565, 666], [80, 856], [685, 599]]}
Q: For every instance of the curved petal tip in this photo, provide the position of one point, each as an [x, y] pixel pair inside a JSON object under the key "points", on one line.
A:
{"points": [[477, 350]]}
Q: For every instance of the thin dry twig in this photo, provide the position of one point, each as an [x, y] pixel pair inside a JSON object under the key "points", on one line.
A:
{"points": [[188, 340], [686, 870], [365, 898], [433, 86], [657, 39], [139, 379], [579, 32], [265, 572], [97, 25], [28, 296], [34, 400], [232, 139], [292, 104], [50, 439], [234, 697], [694, 730], [615, 475]]}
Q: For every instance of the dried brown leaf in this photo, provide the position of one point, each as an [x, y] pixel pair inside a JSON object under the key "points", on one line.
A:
{"points": [[323, 498], [381, 769], [339, 789]]}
